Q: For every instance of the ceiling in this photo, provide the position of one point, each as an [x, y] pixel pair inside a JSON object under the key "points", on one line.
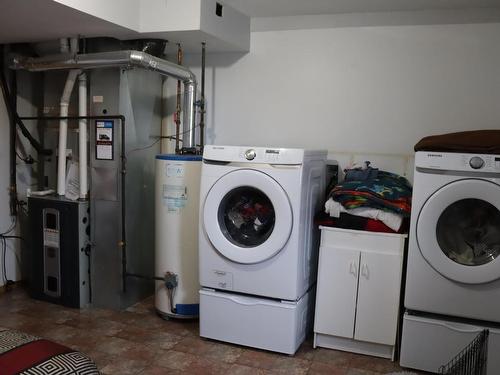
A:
{"points": [[282, 8], [28, 20]]}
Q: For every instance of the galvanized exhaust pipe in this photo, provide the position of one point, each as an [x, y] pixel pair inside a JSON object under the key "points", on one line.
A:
{"points": [[126, 59]]}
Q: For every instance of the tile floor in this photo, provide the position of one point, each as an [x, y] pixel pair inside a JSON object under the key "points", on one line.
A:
{"points": [[137, 341]]}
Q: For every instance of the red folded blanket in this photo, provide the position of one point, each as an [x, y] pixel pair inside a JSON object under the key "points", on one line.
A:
{"points": [[25, 354], [347, 221]]}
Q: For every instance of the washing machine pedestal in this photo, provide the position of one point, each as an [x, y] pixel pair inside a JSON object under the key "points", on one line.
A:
{"points": [[429, 342], [253, 321]]}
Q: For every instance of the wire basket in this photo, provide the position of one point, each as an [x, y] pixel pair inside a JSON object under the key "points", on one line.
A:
{"points": [[471, 360]]}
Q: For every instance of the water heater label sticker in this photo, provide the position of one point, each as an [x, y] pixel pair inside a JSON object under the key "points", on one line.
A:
{"points": [[98, 99], [104, 140], [175, 170], [174, 197]]}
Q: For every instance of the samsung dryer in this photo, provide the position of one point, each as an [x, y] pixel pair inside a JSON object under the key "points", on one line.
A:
{"points": [[453, 272], [454, 247], [257, 207]]}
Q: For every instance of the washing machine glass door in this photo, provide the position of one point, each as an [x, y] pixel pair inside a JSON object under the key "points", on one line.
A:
{"points": [[458, 231], [247, 216]]}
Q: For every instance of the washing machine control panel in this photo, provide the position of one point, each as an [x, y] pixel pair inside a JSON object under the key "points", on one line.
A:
{"points": [[258, 155], [482, 163], [250, 154], [476, 162]]}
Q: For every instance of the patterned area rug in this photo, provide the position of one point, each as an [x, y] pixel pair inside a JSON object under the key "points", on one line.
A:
{"points": [[25, 354]]}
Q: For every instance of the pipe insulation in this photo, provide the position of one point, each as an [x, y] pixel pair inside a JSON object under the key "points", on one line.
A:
{"points": [[63, 131], [126, 59], [82, 134]]}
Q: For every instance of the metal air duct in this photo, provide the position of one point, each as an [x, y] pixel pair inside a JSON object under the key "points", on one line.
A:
{"points": [[125, 59]]}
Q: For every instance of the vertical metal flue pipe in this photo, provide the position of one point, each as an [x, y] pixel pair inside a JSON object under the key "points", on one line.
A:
{"points": [[189, 80], [189, 116]]}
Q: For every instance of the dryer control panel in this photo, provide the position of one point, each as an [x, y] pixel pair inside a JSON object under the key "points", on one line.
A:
{"points": [[476, 162], [446, 161]]}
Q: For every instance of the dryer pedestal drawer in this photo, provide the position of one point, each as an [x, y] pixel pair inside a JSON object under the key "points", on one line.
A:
{"points": [[429, 343], [252, 321]]}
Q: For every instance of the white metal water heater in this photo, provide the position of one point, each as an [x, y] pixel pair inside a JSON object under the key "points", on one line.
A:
{"points": [[176, 244]]}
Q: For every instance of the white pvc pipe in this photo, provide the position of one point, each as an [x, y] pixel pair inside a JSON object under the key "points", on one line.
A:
{"points": [[63, 131], [64, 45], [82, 134], [73, 45]]}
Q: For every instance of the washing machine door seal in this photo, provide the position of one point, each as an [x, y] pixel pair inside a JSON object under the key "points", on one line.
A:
{"points": [[247, 216], [457, 231]]}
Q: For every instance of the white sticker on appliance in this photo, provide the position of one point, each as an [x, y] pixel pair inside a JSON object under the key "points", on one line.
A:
{"points": [[98, 99], [104, 152], [104, 139], [174, 197], [175, 170]]}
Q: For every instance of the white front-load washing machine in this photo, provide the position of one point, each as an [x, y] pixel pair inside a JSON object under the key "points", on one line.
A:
{"points": [[453, 272], [257, 244]]}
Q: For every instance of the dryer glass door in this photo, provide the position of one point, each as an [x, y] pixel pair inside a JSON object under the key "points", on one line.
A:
{"points": [[247, 216], [468, 232], [458, 231]]}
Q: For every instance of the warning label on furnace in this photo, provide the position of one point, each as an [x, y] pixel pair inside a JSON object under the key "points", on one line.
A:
{"points": [[174, 197], [104, 140]]}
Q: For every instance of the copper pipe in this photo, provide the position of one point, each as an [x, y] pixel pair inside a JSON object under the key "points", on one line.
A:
{"points": [[202, 101], [178, 104]]}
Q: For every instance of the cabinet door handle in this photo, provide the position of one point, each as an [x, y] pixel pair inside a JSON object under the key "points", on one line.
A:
{"points": [[353, 268], [365, 271]]}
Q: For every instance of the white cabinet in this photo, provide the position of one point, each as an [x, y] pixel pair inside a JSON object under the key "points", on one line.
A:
{"points": [[359, 282]]}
